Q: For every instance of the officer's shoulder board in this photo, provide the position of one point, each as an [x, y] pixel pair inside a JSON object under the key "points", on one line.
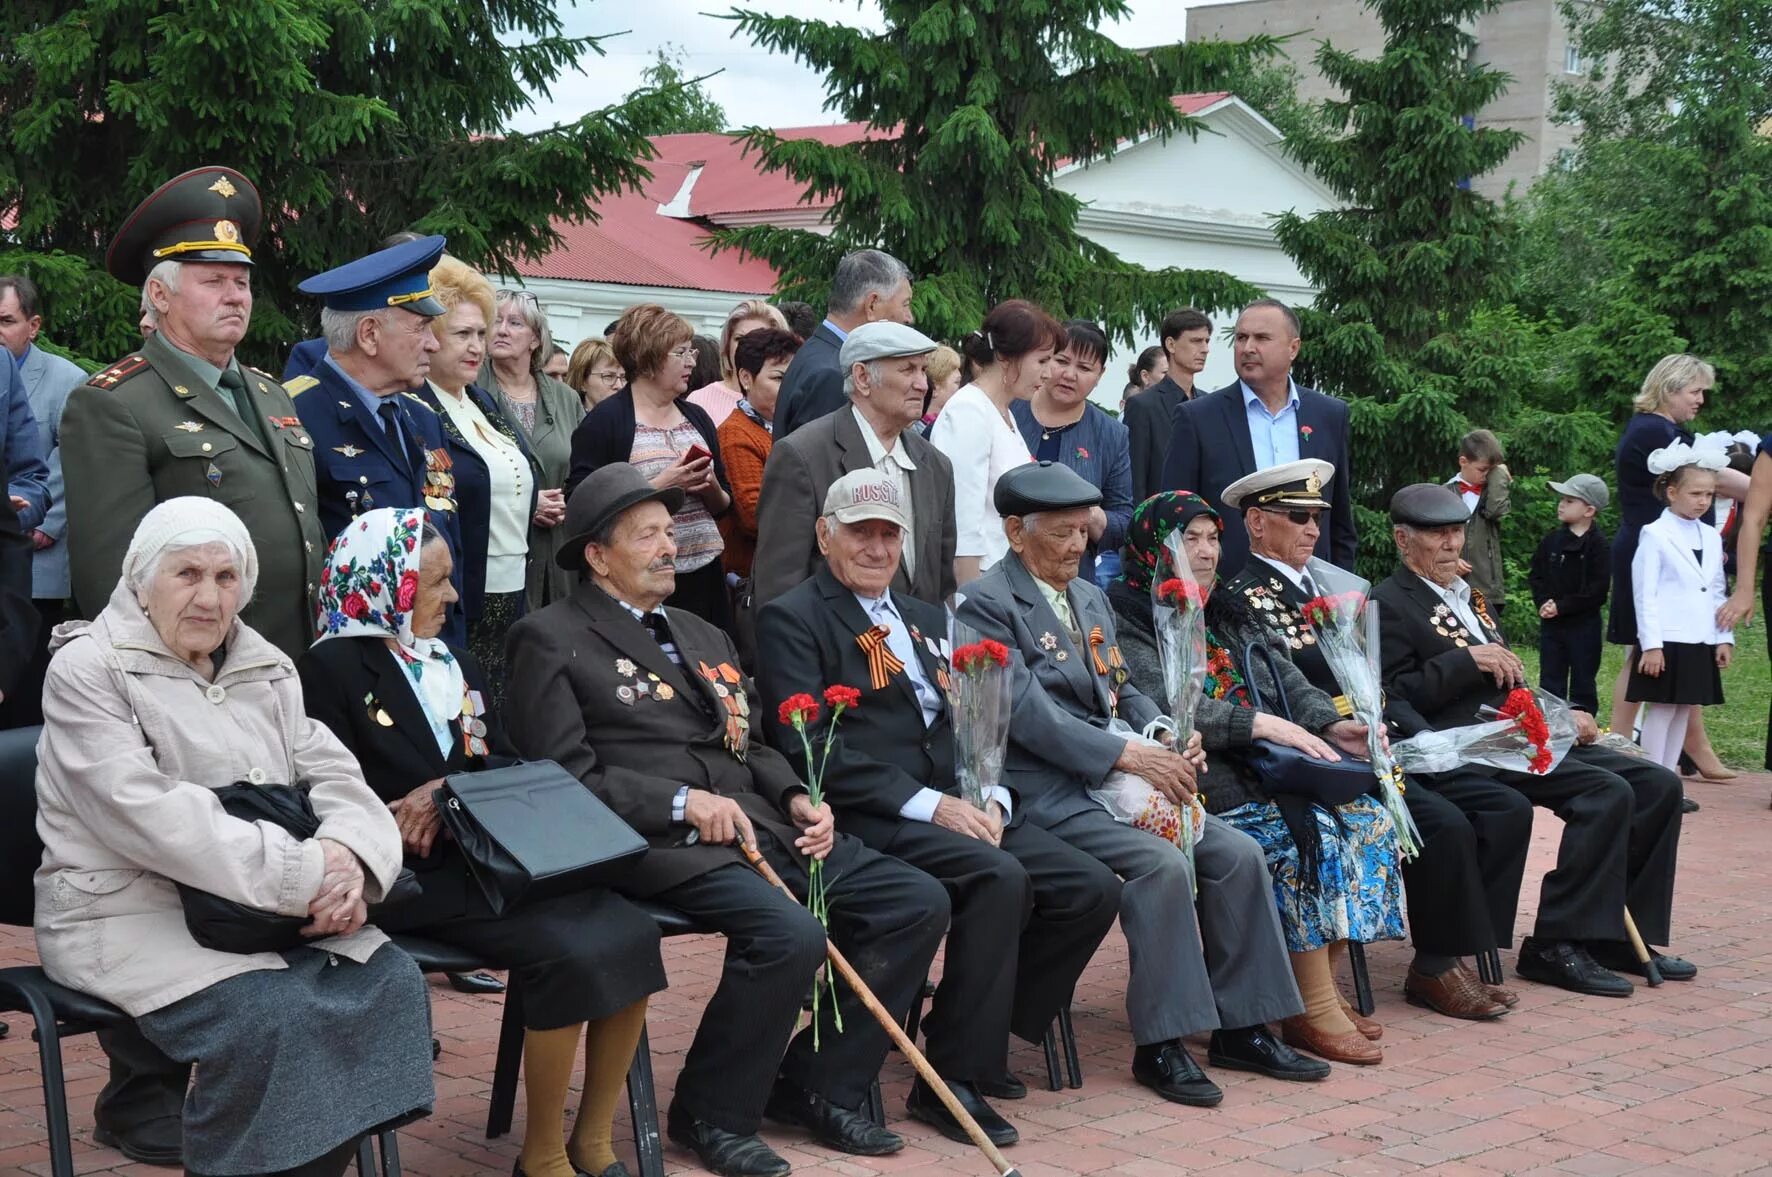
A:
{"points": [[117, 373], [418, 403], [296, 385], [263, 381]]}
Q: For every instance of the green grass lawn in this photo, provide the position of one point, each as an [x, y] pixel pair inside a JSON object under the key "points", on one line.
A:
{"points": [[1738, 727]]}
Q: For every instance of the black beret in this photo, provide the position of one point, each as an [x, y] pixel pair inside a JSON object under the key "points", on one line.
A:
{"points": [[1043, 486], [1428, 504]]}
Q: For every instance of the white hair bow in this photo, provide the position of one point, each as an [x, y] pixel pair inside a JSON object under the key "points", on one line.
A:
{"points": [[1670, 458]]}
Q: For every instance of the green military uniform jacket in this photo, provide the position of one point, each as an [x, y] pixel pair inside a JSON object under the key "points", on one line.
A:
{"points": [[149, 428]]}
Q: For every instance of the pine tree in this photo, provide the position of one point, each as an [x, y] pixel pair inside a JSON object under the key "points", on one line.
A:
{"points": [[354, 120], [973, 105]]}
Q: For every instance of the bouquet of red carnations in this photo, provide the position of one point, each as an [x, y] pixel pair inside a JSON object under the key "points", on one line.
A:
{"points": [[978, 692], [1531, 732]]}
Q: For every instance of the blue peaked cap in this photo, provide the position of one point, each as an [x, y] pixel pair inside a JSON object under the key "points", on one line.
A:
{"points": [[398, 276]]}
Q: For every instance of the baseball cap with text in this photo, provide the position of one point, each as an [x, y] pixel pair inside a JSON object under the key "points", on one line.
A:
{"points": [[865, 494]]}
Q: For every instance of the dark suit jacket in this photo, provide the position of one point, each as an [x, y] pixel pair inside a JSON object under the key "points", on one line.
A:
{"points": [[338, 679], [884, 754], [1430, 680], [813, 384], [18, 617], [564, 705], [1210, 449], [801, 469], [1150, 420]]}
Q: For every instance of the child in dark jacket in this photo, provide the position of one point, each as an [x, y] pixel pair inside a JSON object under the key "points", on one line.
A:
{"points": [[1571, 573]]}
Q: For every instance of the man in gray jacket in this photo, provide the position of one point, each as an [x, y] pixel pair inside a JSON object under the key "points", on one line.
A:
{"points": [[1215, 961]]}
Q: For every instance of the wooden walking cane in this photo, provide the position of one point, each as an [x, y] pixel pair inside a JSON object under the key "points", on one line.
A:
{"points": [[899, 1039], [1644, 956]]}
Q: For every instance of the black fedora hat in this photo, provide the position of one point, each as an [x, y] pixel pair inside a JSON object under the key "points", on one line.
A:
{"points": [[602, 497]]}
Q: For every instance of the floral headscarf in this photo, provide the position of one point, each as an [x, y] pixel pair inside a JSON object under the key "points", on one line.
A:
{"points": [[1145, 559], [368, 588]]}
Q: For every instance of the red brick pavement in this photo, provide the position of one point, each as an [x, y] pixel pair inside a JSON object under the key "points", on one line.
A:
{"points": [[1678, 1078]]}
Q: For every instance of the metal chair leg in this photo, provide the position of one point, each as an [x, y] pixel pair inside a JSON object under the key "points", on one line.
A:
{"points": [[55, 1091], [366, 1157], [1049, 1045], [1356, 959], [1489, 966], [509, 1064], [913, 1017], [643, 1110], [1067, 1034], [389, 1144], [875, 1108]]}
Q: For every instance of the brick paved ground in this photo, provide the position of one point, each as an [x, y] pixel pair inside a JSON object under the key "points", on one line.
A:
{"points": [[1678, 1079]]}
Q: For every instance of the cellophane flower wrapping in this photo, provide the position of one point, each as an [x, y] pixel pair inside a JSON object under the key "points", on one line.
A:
{"points": [[1531, 733], [978, 692], [1345, 620]]}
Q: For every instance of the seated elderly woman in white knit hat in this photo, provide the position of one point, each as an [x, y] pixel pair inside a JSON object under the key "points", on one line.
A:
{"points": [[150, 708]]}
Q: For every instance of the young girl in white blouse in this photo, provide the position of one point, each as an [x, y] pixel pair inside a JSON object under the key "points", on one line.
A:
{"points": [[1677, 577]]}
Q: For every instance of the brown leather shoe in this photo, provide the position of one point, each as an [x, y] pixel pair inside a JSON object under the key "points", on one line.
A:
{"points": [[1298, 1033], [1499, 993], [1453, 993], [1367, 1027]]}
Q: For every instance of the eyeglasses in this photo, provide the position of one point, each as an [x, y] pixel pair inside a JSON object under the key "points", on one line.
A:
{"points": [[1298, 515], [507, 294], [683, 353], [612, 379]]}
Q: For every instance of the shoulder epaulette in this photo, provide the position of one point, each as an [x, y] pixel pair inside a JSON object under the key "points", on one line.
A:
{"points": [[296, 385], [419, 402], [117, 373]]}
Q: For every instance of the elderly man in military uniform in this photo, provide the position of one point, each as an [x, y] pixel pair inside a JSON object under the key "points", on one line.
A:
{"points": [[1213, 961], [1444, 658], [374, 444], [183, 416], [1463, 888]]}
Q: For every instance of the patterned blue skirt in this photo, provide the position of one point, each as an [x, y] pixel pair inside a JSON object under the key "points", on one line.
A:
{"points": [[1359, 874]]}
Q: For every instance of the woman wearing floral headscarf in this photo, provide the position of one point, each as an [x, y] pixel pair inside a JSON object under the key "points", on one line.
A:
{"points": [[1337, 875], [413, 710]]}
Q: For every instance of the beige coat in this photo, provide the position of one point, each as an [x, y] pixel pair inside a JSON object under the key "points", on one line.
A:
{"points": [[134, 740]]}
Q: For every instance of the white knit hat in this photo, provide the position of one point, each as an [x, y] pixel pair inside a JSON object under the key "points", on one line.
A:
{"points": [[188, 522]]}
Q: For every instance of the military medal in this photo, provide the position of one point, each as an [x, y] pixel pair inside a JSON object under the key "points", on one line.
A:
{"points": [[625, 694], [213, 474], [624, 668], [1048, 642], [665, 692], [349, 451], [1061, 656]]}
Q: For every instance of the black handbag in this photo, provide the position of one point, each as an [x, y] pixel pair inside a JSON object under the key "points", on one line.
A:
{"points": [[227, 926], [1284, 770], [533, 831]]}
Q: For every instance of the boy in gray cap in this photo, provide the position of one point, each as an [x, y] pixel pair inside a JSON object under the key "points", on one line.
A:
{"points": [[1571, 572]]}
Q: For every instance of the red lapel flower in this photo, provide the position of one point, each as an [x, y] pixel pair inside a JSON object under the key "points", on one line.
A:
{"points": [[1304, 431]]}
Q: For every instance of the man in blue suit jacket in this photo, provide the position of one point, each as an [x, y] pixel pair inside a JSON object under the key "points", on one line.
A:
{"points": [[1262, 420], [867, 286]]}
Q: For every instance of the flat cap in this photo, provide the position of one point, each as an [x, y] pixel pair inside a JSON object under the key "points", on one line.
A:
{"points": [[882, 340], [1589, 488], [1043, 486], [1428, 504], [603, 495], [398, 276], [1290, 484], [867, 493], [204, 215]]}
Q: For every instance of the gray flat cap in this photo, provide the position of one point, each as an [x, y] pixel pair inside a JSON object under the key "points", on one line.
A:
{"points": [[1428, 504], [1589, 488], [1042, 486], [882, 340]]}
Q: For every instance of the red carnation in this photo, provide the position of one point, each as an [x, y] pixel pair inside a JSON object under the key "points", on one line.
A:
{"points": [[798, 710], [1177, 590], [407, 592], [996, 651], [356, 608], [838, 697]]}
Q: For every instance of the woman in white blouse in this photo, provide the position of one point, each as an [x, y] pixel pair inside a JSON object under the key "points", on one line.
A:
{"points": [[1006, 361], [496, 477]]}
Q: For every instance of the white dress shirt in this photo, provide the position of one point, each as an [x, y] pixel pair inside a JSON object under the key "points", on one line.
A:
{"points": [[897, 464], [1300, 579]]}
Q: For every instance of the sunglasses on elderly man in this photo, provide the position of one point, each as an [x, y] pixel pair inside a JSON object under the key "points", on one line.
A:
{"points": [[1297, 515]]}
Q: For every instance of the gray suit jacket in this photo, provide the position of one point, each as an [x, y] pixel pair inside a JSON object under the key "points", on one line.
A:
{"points": [[800, 470], [48, 380], [1059, 744]]}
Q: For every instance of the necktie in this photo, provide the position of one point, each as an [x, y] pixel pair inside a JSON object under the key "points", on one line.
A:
{"points": [[388, 411], [1308, 585], [235, 385], [660, 629]]}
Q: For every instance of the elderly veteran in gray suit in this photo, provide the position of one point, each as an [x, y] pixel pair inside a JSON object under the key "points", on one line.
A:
{"points": [[1213, 962], [885, 368]]}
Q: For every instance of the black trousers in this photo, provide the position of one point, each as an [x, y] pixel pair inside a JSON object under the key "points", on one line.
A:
{"points": [[1621, 840], [1766, 614], [1464, 888], [1569, 660], [1026, 919], [145, 1084], [23, 706], [886, 917]]}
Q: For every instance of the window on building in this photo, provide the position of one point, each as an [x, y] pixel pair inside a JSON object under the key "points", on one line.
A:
{"points": [[1572, 63]]}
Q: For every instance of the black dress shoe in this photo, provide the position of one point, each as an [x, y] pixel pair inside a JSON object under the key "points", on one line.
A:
{"points": [[1620, 958], [1687, 805], [159, 1141], [1170, 1071], [1004, 1086], [723, 1152], [1568, 965], [830, 1125], [476, 983], [1254, 1048], [926, 1106]]}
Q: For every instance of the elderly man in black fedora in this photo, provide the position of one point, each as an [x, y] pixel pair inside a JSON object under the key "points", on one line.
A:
{"points": [[1029, 910], [1444, 658], [646, 705]]}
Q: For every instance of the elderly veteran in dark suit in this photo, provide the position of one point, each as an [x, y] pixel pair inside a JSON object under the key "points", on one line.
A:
{"points": [[1029, 910], [885, 377], [1444, 658], [1464, 886], [647, 707], [1214, 963]]}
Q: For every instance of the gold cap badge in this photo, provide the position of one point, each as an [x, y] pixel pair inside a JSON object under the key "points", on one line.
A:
{"points": [[1313, 485], [224, 186], [227, 231]]}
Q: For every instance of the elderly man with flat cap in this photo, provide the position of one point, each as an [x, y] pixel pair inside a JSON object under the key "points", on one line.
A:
{"points": [[1464, 886], [647, 706], [1444, 657], [1217, 962], [1028, 909], [885, 366]]}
